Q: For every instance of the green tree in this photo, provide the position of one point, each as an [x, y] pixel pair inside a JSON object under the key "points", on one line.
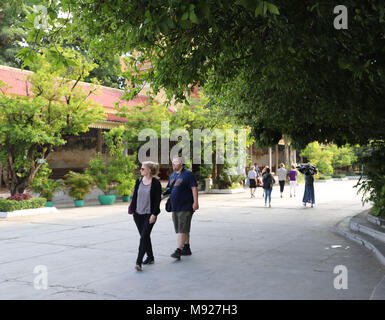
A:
{"points": [[284, 63], [319, 156], [12, 33], [32, 126], [372, 183], [342, 156]]}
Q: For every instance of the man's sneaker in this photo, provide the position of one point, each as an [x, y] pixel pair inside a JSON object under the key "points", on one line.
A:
{"points": [[149, 260], [177, 254], [186, 250]]}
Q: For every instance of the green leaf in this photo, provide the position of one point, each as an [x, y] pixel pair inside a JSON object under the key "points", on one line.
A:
{"points": [[248, 4], [193, 17], [272, 8], [185, 16]]}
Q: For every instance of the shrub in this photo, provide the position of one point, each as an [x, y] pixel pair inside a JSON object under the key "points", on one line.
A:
{"points": [[325, 177], [44, 186], [7, 205], [339, 176], [372, 180], [20, 196], [78, 184]]}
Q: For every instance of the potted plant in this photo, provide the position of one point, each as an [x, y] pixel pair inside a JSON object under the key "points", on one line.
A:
{"points": [[79, 185], [124, 168], [116, 173], [105, 179], [125, 189], [46, 188]]}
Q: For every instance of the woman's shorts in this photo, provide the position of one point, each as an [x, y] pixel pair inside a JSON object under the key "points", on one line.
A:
{"points": [[182, 221], [252, 183]]}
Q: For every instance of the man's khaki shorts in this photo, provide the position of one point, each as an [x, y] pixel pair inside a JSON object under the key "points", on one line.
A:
{"points": [[182, 221]]}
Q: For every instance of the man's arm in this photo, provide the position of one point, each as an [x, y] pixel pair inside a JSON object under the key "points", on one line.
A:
{"points": [[195, 195]]}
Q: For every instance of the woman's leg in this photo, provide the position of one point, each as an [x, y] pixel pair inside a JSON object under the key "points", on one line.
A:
{"points": [[265, 193], [269, 191], [145, 245]]}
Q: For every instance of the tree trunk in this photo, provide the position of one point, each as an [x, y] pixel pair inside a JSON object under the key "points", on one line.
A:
{"points": [[276, 157], [287, 159]]}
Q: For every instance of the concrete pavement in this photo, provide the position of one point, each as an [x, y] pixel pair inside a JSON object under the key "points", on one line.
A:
{"points": [[241, 250]]}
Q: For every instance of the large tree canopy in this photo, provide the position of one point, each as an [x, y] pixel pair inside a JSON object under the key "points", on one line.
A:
{"points": [[280, 65]]}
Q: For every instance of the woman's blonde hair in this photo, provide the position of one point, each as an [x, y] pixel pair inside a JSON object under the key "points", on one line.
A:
{"points": [[153, 166]]}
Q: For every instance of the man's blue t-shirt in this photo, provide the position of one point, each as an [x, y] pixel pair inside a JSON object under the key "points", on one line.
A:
{"points": [[181, 195]]}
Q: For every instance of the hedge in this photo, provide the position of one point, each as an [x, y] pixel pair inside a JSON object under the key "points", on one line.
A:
{"points": [[339, 175], [12, 205], [325, 177]]}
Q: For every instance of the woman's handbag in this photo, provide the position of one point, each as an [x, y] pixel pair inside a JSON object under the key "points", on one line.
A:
{"points": [[130, 211]]}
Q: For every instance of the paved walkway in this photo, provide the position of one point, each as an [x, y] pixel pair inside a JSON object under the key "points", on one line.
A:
{"points": [[241, 250]]}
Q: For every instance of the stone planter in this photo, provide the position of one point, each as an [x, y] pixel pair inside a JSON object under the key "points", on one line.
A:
{"points": [[126, 198], [79, 203], [107, 199], [49, 204]]}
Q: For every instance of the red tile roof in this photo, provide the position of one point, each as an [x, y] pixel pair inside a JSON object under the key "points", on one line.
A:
{"points": [[16, 80]]}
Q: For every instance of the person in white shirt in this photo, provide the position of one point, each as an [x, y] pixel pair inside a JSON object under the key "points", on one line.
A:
{"points": [[281, 177], [252, 176]]}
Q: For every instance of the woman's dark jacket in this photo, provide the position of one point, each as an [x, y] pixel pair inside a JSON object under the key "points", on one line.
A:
{"points": [[155, 195]]}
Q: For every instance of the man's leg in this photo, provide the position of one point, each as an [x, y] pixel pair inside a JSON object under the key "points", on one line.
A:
{"points": [[183, 238], [182, 227]]}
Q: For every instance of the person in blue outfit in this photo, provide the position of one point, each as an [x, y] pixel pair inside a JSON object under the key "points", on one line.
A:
{"points": [[184, 202], [308, 195], [268, 181]]}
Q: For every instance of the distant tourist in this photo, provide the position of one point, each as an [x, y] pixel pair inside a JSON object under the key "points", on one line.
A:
{"points": [[268, 181], [145, 205], [308, 196], [281, 177], [252, 176], [257, 170], [293, 180]]}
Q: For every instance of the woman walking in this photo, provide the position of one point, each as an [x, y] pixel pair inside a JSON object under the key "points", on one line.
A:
{"points": [[293, 180], [145, 205], [281, 177], [309, 189], [252, 176], [268, 181]]}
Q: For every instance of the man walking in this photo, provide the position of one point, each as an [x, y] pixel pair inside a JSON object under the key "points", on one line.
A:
{"points": [[184, 201]]}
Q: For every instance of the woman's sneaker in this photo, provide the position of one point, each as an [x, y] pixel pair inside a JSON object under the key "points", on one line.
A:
{"points": [[149, 260], [138, 267]]}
